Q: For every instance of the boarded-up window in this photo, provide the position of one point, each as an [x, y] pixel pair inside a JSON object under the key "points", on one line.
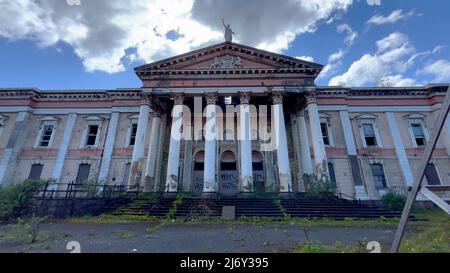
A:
{"points": [[379, 179], [332, 173], [35, 172], [126, 174], [432, 175], [83, 173]]}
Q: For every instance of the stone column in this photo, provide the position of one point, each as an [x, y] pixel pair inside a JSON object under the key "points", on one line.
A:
{"points": [[320, 158], [152, 151], [279, 130], [245, 148], [138, 149], [350, 144], [63, 148], [209, 176], [8, 162], [400, 149], [108, 148], [173, 162], [304, 146]]}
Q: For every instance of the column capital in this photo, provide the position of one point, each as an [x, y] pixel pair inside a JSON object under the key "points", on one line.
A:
{"points": [[178, 99], [311, 98], [277, 98], [245, 98], [211, 98], [157, 112], [147, 100]]}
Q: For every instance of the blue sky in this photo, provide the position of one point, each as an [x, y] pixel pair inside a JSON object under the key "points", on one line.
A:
{"points": [[396, 43]]}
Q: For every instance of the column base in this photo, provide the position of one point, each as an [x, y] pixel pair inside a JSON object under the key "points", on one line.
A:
{"points": [[209, 195], [361, 193]]}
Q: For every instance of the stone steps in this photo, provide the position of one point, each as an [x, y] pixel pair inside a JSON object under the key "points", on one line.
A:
{"points": [[301, 206]]}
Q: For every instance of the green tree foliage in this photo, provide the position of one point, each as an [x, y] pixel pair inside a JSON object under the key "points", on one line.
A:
{"points": [[18, 200]]}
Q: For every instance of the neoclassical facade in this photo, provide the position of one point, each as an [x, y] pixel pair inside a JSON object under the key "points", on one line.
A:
{"points": [[224, 119]]}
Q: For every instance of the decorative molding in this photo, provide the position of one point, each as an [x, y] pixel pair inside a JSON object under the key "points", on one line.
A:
{"points": [[227, 62], [277, 98], [178, 99], [211, 98], [244, 98]]}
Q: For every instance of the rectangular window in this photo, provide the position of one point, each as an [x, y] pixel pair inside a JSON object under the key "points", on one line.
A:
{"points": [[379, 179], [46, 135], [432, 175], [369, 134], [325, 135], [332, 173], [418, 133], [2, 125], [35, 172], [91, 138], [133, 134], [83, 173], [126, 174]]}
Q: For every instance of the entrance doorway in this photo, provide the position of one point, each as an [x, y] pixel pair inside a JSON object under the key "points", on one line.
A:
{"points": [[258, 172], [199, 166], [228, 183]]}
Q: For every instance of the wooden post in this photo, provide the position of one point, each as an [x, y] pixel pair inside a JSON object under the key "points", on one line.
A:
{"points": [[437, 128]]}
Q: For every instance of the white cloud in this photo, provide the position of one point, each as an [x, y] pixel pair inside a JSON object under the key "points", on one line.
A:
{"points": [[396, 81], [336, 56], [392, 52], [394, 17], [101, 31], [351, 34], [305, 58], [440, 69]]}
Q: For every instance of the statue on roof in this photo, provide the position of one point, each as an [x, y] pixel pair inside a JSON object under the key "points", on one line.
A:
{"points": [[228, 32]]}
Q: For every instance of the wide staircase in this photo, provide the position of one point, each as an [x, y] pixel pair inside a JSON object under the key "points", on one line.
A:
{"points": [[337, 209], [140, 207], [295, 206]]}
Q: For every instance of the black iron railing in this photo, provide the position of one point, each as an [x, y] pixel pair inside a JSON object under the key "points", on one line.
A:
{"points": [[75, 190]]}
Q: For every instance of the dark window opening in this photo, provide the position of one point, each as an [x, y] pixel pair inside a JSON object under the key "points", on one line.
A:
{"points": [[257, 166], [46, 136], [199, 166], [432, 175], [92, 135], [326, 138], [133, 134], [379, 179], [369, 135], [35, 172], [228, 166]]}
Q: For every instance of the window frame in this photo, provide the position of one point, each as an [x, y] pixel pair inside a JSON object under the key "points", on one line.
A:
{"points": [[370, 121], [2, 123], [329, 132], [421, 122], [40, 135], [130, 131], [86, 132], [386, 184]]}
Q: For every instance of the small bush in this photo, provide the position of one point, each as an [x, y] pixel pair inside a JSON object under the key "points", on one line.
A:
{"points": [[18, 200], [26, 230], [393, 201], [321, 188]]}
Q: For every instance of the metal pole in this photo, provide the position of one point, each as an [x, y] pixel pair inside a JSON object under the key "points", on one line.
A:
{"points": [[420, 173]]}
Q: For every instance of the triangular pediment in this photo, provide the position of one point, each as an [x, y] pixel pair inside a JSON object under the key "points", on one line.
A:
{"points": [[230, 56]]}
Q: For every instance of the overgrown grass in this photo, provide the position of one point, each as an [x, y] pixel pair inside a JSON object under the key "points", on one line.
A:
{"points": [[428, 236], [112, 219]]}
